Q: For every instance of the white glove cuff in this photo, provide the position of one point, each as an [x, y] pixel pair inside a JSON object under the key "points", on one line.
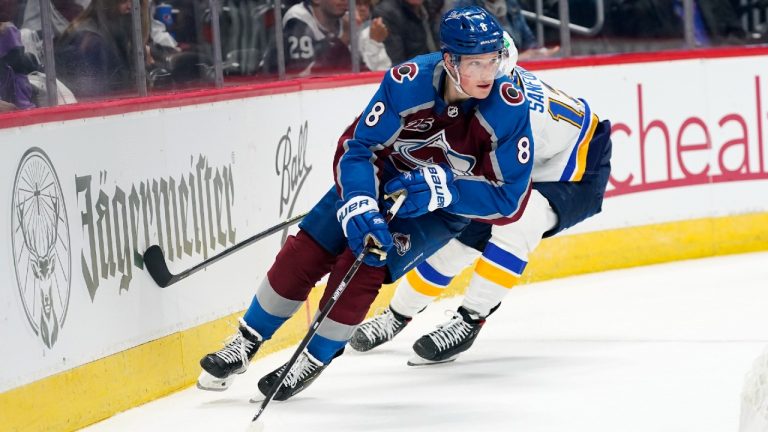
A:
{"points": [[353, 207], [437, 181]]}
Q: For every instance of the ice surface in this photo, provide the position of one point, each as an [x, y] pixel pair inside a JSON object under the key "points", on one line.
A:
{"points": [[651, 349]]}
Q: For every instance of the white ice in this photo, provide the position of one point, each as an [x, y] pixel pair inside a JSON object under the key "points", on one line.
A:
{"points": [[651, 349]]}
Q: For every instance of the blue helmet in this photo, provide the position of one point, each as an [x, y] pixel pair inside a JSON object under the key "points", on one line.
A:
{"points": [[470, 30]]}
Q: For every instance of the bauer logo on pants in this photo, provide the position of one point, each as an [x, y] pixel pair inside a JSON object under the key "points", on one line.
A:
{"points": [[40, 241]]}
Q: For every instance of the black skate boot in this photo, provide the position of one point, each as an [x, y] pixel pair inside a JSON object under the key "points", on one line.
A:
{"points": [[301, 375], [377, 330], [449, 340], [220, 368]]}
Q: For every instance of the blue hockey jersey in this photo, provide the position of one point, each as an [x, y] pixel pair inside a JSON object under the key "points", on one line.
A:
{"points": [[407, 125]]}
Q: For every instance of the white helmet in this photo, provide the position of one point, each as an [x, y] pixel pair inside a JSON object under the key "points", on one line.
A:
{"points": [[510, 60]]}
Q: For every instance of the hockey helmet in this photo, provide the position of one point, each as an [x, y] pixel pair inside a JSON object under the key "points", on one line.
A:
{"points": [[470, 30]]}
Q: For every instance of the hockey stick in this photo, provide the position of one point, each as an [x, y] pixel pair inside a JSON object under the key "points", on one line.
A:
{"points": [[154, 259], [255, 425]]}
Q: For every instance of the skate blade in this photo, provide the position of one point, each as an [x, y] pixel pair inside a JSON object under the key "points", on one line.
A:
{"points": [[209, 382], [416, 360]]}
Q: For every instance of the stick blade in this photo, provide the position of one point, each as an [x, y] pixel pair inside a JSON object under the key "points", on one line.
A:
{"points": [[256, 426], [154, 260]]}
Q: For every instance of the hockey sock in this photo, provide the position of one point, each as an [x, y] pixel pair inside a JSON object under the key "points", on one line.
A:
{"points": [[495, 273], [418, 289], [325, 349], [298, 266], [262, 321]]}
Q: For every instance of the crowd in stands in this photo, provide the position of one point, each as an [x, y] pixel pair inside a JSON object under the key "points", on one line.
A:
{"points": [[96, 57]]}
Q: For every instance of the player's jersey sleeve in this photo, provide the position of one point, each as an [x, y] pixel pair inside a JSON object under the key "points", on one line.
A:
{"points": [[399, 94], [563, 127], [500, 195]]}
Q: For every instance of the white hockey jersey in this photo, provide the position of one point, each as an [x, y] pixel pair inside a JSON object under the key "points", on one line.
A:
{"points": [[562, 128]]}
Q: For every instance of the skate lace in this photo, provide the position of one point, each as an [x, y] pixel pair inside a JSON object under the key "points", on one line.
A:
{"points": [[236, 349], [381, 327], [300, 370], [450, 333]]}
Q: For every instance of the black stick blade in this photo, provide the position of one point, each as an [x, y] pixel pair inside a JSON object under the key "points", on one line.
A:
{"points": [[154, 260]]}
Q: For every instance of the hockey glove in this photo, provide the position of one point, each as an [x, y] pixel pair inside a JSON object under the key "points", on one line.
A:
{"points": [[361, 221], [428, 189]]}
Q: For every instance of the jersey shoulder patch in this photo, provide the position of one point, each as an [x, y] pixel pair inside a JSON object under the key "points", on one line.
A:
{"points": [[409, 84], [506, 108], [510, 94], [404, 71]]}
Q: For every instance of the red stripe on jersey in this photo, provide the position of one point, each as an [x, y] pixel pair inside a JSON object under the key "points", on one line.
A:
{"points": [[517, 215]]}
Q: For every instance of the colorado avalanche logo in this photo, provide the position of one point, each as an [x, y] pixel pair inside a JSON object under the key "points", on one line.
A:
{"points": [[406, 70], [402, 243], [510, 94], [411, 154]]}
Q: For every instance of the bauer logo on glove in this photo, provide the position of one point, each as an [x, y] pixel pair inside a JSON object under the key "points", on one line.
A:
{"points": [[428, 189], [363, 224]]}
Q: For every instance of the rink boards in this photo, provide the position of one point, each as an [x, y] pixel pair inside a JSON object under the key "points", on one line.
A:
{"points": [[87, 333]]}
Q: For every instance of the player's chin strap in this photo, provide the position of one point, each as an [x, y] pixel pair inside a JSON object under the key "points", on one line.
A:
{"points": [[457, 79]]}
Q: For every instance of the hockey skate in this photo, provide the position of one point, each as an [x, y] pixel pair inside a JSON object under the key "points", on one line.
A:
{"points": [[449, 340], [221, 367], [301, 375], [379, 329]]}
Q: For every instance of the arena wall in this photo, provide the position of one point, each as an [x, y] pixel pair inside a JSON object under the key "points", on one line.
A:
{"points": [[86, 333]]}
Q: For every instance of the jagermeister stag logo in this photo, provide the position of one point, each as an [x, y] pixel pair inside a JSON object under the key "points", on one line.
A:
{"points": [[40, 241]]}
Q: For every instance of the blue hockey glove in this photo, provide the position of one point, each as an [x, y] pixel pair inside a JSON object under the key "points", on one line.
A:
{"points": [[428, 189], [361, 221]]}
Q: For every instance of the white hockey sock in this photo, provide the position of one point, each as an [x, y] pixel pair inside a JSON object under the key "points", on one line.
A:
{"points": [[483, 295], [407, 301], [506, 255], [426, 282]]}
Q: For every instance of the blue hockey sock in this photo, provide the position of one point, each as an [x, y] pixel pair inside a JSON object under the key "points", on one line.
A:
{"points": [[260, 320], [324, 349]]}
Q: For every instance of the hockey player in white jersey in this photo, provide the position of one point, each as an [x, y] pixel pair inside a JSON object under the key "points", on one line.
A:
{"points": [[570, 173]]}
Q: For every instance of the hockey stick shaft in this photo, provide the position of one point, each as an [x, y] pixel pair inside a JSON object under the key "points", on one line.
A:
{"points": [[323, 313], [154, 259]]}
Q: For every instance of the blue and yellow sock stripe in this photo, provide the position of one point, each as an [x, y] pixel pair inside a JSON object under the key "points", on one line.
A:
{"points": [[427, 281], [500, 266]]}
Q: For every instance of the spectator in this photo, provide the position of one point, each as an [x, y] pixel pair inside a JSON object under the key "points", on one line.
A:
{"points": [[643, 19], [510, 15], [411, 29], [94, 55], [316, 37], [716, 22], [373, 33], [15, 89], [62, 13]]}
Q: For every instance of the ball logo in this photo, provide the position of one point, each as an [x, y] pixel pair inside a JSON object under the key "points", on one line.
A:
{"points": [[404, 71], [510, 94], [40, 241]]}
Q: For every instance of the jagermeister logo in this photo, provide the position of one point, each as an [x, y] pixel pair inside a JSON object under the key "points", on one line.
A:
{"points": [[40, 241]]}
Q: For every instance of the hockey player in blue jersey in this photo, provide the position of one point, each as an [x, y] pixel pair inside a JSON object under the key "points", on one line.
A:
{"points": [[570, 173], [449, 129]]}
